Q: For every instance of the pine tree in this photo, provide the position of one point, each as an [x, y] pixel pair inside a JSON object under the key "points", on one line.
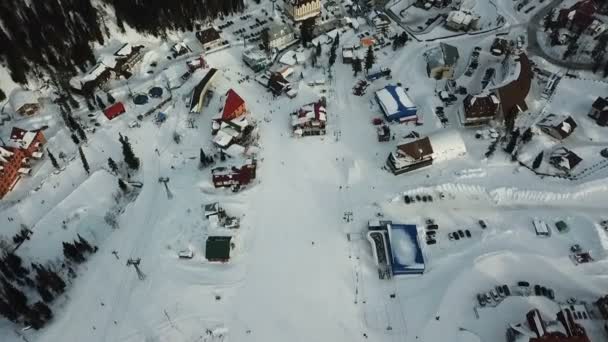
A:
{"points": [[122, 185], [332, 56], [370, 59], [337, 40], [15, 298], [75, 139], [90, 105], [71, 252], [110, 98], [112, 165], [127, 152], [548, 20], [2, 95], [356, 63], [53, 160], [100, 103], [538, 160], [7, 311], [85, 243], [13, 262], [81, 133], [85, 163], [318, 50], [203, 157]]}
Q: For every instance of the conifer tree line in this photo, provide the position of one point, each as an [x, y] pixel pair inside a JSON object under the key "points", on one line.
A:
{"points": [[55, 36], [21, 287]]}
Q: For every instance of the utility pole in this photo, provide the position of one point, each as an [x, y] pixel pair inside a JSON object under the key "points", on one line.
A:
{"points": [[135, 263]]}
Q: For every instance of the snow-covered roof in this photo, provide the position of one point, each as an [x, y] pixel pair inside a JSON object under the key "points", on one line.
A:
{"points": [[447, 144], [21, 138], [107, 60], [20, 97], [310, 112], [393, 99], [222, 138], [124, 50]]}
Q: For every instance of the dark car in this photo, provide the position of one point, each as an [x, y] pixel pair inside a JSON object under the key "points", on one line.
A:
{"points": [[467, 233], [505, 289], [537, 290], [431, 241], [481, 299], [432, 227], [551, 294], [461, 233], [523, 284], [482, 224], [500, 291], [431, 233], [455, 235], [407, 199], [544, 292]]}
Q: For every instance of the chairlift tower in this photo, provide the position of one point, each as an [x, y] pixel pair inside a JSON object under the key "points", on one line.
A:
{"points": [[135, 264]]}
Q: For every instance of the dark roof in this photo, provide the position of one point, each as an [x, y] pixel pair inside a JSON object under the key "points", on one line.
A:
{"points": [[480, 106], [208, 35], [450, 54], [513, 95], [417, 149], [600, 103], [217, 248], [196, 94]]}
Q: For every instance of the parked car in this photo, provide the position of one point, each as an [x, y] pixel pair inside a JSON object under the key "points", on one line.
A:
{"points": [[451, 236], [481, 299], [482, 224], [431, 241], [467, 233], [495, 295], [506, 290], [432, 227], [537, 290], [500, 291], [575, 248], [544, 291], [551, 294], [461, 233], [455, 235], [523, 283]]}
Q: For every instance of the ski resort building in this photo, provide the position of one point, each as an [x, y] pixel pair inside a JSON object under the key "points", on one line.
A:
{"points": [[235, 131], [441, 61], [513, 95], [558, 126], [479, 109], [564, 159], [396, 104], [462, 21], [126, 58], [300, 10], [234, 177], [200, 91], [217, 248], [579, 16], [278, 36], [535, 329], [599, 111], [24, 102], [114, 110], [437, 147], [396, 248], [256, 59], [15, 157], [310, 119], [234, 106], [209, 38]]}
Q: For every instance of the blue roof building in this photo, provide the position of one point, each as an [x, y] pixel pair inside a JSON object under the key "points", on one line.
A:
{"points": [[396, 104]]}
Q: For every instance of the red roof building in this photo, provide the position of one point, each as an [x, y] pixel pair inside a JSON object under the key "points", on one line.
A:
{"points": [[579, 16], [566, 330], [114, 110], [14, 159], [234, 106]]}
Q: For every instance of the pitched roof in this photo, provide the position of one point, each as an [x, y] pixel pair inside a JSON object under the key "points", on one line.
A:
{"points": [[562, 124], [233, 102], [417, 149], [600, 103], [22, 138], [208, 35], [450, 53]]}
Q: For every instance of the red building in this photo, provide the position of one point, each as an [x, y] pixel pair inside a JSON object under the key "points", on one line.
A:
{"points": [[15, 158], [114, 110], [233, 107], [224, 177], [578, 17], [536, 331]]}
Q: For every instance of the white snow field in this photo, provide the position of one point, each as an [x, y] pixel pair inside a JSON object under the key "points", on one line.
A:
{"points": [[301, 268]]}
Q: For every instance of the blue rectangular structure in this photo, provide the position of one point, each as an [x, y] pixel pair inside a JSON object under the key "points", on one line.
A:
{"points": [[404, 250], [396, 104]]}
